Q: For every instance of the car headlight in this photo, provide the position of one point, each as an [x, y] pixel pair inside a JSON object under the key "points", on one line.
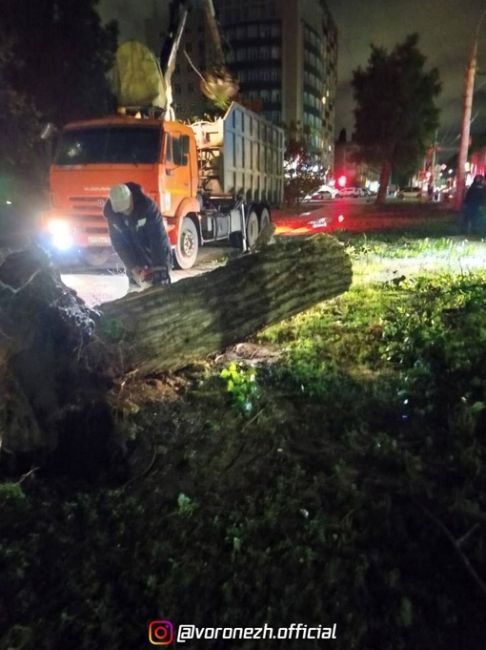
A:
{"points": [[61, 236]]}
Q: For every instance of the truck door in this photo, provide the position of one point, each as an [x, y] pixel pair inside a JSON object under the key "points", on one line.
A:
{"points": [[177, 181]]}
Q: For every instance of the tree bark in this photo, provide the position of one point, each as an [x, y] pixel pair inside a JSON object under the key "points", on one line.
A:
{"points": [[59, 360], [385, 174], [162, 329]]}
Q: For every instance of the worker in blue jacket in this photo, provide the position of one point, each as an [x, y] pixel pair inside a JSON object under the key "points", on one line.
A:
{"points": [[138, 235]]}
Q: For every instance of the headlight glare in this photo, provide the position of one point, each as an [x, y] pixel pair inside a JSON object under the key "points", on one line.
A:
{"points": [[60, 232]]}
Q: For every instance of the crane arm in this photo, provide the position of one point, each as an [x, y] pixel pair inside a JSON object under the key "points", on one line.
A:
{"points": [[217, 84], [213, 29]]}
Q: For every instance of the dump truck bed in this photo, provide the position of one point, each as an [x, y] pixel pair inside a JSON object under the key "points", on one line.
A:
{"points": [[241, 154]]}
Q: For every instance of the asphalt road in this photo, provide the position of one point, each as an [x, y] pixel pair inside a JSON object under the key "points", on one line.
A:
{"points": [[360, 215]]}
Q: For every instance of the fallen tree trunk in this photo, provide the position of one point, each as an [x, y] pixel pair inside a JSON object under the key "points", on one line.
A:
{"points": [[165, 329], [59, 359]]}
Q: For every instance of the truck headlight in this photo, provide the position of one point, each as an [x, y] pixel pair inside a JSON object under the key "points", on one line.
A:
{"points": [[60, 232]]}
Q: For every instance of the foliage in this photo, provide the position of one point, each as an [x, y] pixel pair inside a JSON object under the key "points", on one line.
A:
{"points": [[54, 60], [20, 121], [219, 87], [241, 384], [335, 503], [395, 110], [303, 173]]}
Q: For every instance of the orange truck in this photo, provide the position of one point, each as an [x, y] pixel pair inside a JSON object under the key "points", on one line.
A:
{"points": [[213, 181]]}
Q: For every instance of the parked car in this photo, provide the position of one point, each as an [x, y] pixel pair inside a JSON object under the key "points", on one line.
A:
{"points": [[350, 193], [324, 193], [317, 197], [368, 193], [409, 193]]}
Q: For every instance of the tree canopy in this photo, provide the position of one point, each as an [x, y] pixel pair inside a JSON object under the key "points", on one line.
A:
{"points": [[395, 114], [54, 59], [303, 170]]}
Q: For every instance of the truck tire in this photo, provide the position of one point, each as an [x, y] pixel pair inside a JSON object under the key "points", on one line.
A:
{"points": [[187, 246], [253, 225], [252, 228], [98, 257], [264, 217]]}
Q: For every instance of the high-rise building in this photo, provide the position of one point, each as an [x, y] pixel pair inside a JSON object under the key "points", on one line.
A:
{"points": [[284, 53]]}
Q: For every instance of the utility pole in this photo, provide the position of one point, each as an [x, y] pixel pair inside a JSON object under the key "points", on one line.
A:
{"points": [[466, 119], [434, 154]]}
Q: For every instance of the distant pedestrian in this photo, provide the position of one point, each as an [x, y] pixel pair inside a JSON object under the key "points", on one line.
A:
{"points": [[473, 201], [138, 235]]}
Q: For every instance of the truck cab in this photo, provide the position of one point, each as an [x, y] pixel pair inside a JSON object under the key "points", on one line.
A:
{"points": [[94, 155], [212, 181]]}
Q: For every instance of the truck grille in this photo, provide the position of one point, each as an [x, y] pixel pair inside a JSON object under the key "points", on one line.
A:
{"points": [[87, 214]]}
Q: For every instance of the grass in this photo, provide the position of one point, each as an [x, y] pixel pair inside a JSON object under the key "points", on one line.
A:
{"points": [[307, 490]]}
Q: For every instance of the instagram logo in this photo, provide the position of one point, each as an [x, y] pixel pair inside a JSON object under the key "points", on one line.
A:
{"points": [[161, 632]]}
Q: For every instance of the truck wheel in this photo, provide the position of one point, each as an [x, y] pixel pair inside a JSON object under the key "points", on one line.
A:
{"points": [[252, 229], [187, 246], [264, 218], [98, 257]]}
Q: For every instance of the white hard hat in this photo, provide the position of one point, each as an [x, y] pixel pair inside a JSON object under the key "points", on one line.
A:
{"points": [[120, 198]]}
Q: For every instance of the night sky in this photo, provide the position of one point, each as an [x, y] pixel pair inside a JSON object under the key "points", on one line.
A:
{"points": [[446, 29]]}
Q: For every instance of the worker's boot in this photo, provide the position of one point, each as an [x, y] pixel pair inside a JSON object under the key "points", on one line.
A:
{"points": [[133, 284], [159, 276]]}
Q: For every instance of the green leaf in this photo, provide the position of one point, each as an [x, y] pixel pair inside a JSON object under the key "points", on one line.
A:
{"points": [[477, 407], [406, 612]]}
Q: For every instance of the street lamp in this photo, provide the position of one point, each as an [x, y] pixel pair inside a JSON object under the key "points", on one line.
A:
{"points": [[466, 118]]}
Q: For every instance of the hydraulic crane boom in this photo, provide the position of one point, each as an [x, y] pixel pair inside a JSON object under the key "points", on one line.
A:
{"points": [[212, 25], [178, 18], [216, 83]]}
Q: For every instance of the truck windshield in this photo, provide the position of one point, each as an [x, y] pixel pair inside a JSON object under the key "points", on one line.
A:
{"points": [[129, 145]]}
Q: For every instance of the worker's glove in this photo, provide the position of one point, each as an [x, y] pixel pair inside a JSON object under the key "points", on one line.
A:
{"points": [[159, 276]]}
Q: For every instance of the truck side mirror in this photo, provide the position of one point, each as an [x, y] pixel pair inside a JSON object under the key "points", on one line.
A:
{"points": [[49, 135], [48, 131]]}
